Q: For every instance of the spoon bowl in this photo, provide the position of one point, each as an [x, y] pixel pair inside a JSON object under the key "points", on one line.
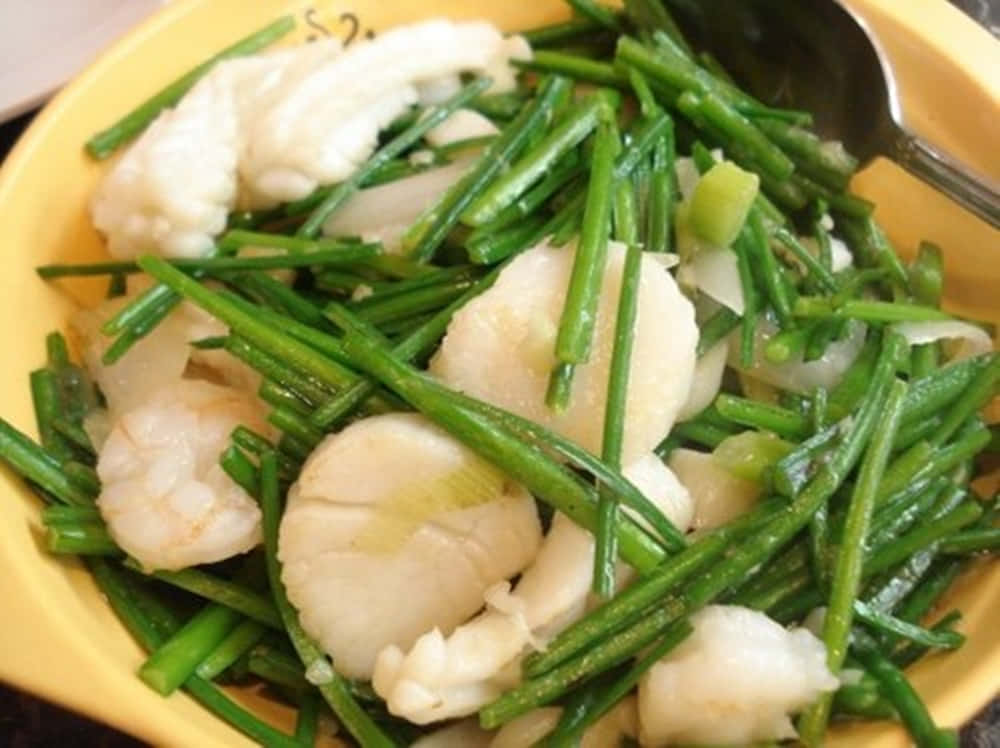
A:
{"points": [[818, 56]]}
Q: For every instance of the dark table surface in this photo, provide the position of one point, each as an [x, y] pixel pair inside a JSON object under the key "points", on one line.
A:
{"points": [[29, 722]]}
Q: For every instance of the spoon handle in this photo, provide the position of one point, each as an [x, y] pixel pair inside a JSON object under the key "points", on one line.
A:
{"points": [[975, 192]]}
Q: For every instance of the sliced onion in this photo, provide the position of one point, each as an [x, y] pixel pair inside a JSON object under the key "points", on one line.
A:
{"points": [[706, 381], [972, 340], [666, 259], [795, 374], [687, 176], [386, 211], [716, 274], [461, 125]]}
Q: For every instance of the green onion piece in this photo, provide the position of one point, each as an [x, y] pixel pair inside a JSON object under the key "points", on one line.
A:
{"points": [[718, 326], [570, 131], [661, 193], [45, 397], [240, 640], [826, 161], [751, 300], [147, 317], [38, 466], [924, 359], [863, 700], [307, 721], [80, 539], [104, 143], [919, 635], [785, 423], [277, 667], [490, 248], [815, 269], [866, 310], [751, 454], [926, 274], [721, 202], [847, 574], [335, 691], [979, 392], [910, 653], [57, 514], [653, 14], [573, 66], [975, 540], [920, 601], [326, 253], [599, 14], [640, 87], [906, 701], [873, 247], [151, 626], [576, 328], [239, 468], [176, 659], [739, 131], [230, 594], [787, 344], [389, 151], [568, 168], [412, 303], [605, 550], [426, 234], [775, 282], [922, 537], [295, 425], [932, 393], [557, 33]]}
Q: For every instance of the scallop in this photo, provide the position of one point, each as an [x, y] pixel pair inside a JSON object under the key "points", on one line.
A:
{"points": [[393, 529], [500, 347]]}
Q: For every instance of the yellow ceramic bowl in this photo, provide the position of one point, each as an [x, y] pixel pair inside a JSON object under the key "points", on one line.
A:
{"points": [[60, 640]]}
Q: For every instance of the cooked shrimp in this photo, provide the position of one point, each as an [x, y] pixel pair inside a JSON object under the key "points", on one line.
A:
{"points": [[500, 348], [734, 680], [450, 676], [166, 500], [392, 529]]}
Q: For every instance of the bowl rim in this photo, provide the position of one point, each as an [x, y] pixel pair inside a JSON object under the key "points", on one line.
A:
{"points": [[942, 28]]}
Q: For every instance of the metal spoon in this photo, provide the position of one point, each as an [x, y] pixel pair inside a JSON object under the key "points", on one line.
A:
{"points": [[818, 56]]}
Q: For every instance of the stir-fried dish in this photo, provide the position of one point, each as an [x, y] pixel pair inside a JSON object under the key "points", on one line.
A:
{"points": [[484, 389]]}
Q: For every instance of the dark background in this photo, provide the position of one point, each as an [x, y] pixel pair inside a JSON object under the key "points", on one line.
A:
{"points": [[28, 722]]}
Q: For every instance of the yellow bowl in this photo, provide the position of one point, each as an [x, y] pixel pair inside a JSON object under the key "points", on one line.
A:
{"points": [[59, 638]]}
